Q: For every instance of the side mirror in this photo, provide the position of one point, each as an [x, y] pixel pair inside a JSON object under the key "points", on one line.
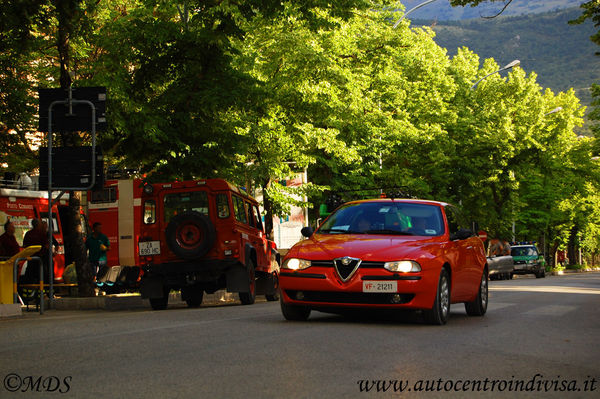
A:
{"points": [[307, 231], [461, 234]]}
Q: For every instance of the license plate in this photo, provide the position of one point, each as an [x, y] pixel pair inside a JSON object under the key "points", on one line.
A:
{"points": [[149, 248], [380, 286]]}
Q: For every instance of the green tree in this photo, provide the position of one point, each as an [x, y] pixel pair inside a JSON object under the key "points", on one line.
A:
{"points": [[20, 49], [591, 10]]}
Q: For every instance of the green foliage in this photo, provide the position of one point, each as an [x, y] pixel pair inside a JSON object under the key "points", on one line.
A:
{"points": [[559, 64], [256, 91], [591, 10], [19, 48]]}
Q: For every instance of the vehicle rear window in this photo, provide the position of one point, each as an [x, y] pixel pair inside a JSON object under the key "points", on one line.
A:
{"points": [[177, 203], [523, 251]]}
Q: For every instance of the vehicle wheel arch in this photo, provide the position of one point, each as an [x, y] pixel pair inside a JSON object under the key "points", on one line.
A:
{"points": [[449, 270], [250, 254], [277, 256]]}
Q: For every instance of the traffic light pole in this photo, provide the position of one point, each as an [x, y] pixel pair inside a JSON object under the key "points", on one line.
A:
{"points": [[69, 102]]}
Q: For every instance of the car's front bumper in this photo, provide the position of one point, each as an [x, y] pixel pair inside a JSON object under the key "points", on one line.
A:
{"points": [[526, 268], [321, 287]]}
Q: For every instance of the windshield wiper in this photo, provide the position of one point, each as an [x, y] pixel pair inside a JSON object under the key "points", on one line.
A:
{"points": [[340, 231], [389, 231]]}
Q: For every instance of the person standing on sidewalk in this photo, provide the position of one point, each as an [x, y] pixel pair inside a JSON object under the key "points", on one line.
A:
{"points": [[97, 244], [8, 243], [36, 236]]}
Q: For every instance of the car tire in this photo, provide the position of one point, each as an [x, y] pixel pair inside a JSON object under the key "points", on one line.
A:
{"points": [[294, 312], [540, 274], [249, 297], [190, 235], [438, 314], [162, 302], [193, 296], [275, 296], [478, 307]]}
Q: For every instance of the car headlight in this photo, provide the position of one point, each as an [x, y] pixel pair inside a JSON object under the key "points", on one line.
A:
{"points": [[296, 264], [403, 266]]}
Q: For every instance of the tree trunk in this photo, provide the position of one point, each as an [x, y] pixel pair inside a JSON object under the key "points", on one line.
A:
{"points": [[572, 247], [75, 247], [268, 209], [553, 249]]}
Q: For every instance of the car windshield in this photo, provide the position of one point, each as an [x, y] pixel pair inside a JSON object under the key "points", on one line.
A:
{"points": [[392, 218], [523, 251]]}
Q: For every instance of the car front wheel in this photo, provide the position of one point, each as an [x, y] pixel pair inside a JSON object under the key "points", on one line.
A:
{"points": [[438, 314], [294, 312], [540, 273], [478, 307]]}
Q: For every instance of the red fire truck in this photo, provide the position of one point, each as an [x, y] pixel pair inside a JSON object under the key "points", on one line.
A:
{"points": [[21, 206], [195, 236]]}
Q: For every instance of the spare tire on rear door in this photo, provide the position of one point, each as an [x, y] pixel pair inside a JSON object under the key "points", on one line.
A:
{"points": [[190, 235]]}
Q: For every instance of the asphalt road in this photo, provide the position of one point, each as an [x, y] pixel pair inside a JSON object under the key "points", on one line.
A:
{"points": [[538, 335]]}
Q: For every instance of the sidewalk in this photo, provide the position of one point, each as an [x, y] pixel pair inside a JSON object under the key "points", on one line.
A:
{"points": [[114, 302]]}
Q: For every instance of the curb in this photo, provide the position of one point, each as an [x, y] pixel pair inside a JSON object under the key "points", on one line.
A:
{"points": [[573, 271], [10, 310], [114, 302], [131, 302]]}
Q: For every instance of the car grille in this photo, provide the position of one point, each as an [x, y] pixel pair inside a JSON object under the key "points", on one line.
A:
{"points": [[520, 262], [350, 297], [363, 265]]}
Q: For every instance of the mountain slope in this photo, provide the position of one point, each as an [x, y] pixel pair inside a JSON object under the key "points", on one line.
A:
{"points": [[441, 10], [562, 55]]}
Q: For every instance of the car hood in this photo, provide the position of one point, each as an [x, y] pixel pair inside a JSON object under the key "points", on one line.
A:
{"points": [[366, 247]]}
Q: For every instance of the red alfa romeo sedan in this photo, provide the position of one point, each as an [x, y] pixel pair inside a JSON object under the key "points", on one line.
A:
{"points": [[386, 254]]}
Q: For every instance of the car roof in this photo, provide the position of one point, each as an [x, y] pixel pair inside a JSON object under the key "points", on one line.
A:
{"points": [[402, 200]]}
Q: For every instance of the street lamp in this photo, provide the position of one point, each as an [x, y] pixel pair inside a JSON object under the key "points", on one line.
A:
{"points": [[411, 10], [504, 68], [555, 110]]}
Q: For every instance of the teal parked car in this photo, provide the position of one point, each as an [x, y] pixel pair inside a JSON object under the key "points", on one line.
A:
{"points": [[528, 260]]}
